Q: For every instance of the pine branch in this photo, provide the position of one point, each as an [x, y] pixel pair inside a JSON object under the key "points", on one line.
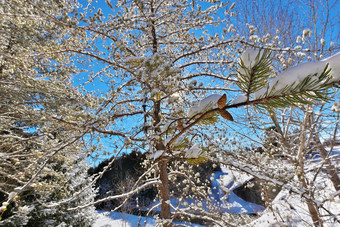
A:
{"points": [[253, 78], [311, 89]]}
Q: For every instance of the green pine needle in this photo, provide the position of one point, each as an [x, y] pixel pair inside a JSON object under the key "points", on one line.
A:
{"points": [[253, 79], [311, 89]]}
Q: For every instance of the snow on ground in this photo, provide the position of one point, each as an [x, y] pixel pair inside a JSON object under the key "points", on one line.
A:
{"points": [[288, 209], [222, 195], [236, 205], [222, 187], [117, 219], [232, 178], [291, 210], [224, 181]]}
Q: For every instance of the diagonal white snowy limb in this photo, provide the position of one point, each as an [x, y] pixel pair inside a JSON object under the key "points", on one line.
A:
{"points": [[300, 72], [204, 105]]}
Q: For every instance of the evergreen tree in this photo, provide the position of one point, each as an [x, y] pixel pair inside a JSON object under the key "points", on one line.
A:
{"points": [[37, 153]]}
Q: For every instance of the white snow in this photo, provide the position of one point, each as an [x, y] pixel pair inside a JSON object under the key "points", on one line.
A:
{"points": [[117, 219], [336, 107], [156, 154], [288, 209], [292, 210], [179, 141], [209, 102], [239, 99], [234, 179], [334, 64], [193, 111], [222, 195], [291, 76], [296, 74], [193, 152], [204, 105], [250, 57], [223, 184]]}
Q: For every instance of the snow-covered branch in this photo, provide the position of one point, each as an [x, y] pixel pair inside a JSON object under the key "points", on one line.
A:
{"points": [[121, 196]]}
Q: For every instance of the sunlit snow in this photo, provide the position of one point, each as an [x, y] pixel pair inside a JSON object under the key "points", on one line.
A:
{"points": [[298, 73], [156, 154], [193, 152], [204, 105], [250, 57], [239, 99]]}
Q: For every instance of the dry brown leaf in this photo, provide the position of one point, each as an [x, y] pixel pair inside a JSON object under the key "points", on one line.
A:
{"points": [[222, 101], [226, 115]]}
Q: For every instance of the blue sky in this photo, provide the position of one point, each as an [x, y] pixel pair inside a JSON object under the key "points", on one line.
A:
{"points": [[100, 87]]}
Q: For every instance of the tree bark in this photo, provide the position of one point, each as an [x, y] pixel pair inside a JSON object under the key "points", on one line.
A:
{"points": [[312, 207], [164, 190], [163, 171], [313, 210], [331, 169]]}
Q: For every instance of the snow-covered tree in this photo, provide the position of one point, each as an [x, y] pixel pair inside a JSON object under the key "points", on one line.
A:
{"points": [[163, 72], [295, 139], [167, 74], [298, 130], [41, 160], [151, 57]]}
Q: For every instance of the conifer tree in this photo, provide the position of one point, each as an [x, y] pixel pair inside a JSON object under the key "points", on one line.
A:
{"points": [[39, 157]]}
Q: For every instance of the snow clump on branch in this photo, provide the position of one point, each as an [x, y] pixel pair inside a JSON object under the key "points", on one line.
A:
{"points": [[156, 154], [298, 73], [193, 152], [204, 105], [250, 58], [336, 107]]}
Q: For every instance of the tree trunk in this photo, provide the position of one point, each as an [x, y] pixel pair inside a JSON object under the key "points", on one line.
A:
{"points": [[279, 130], [163, 172], [164, 190], [312, 208], [331, 170]]}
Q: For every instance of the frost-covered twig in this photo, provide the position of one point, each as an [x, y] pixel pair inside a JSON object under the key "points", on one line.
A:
{"points": [[135, 185], [140, 188], [19, 190], [290, 188]]}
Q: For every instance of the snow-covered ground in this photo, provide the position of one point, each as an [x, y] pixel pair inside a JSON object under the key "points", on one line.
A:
{"points": [[117, 219], [223, 184], [222, 187], [291, 210], [288, 209]]}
